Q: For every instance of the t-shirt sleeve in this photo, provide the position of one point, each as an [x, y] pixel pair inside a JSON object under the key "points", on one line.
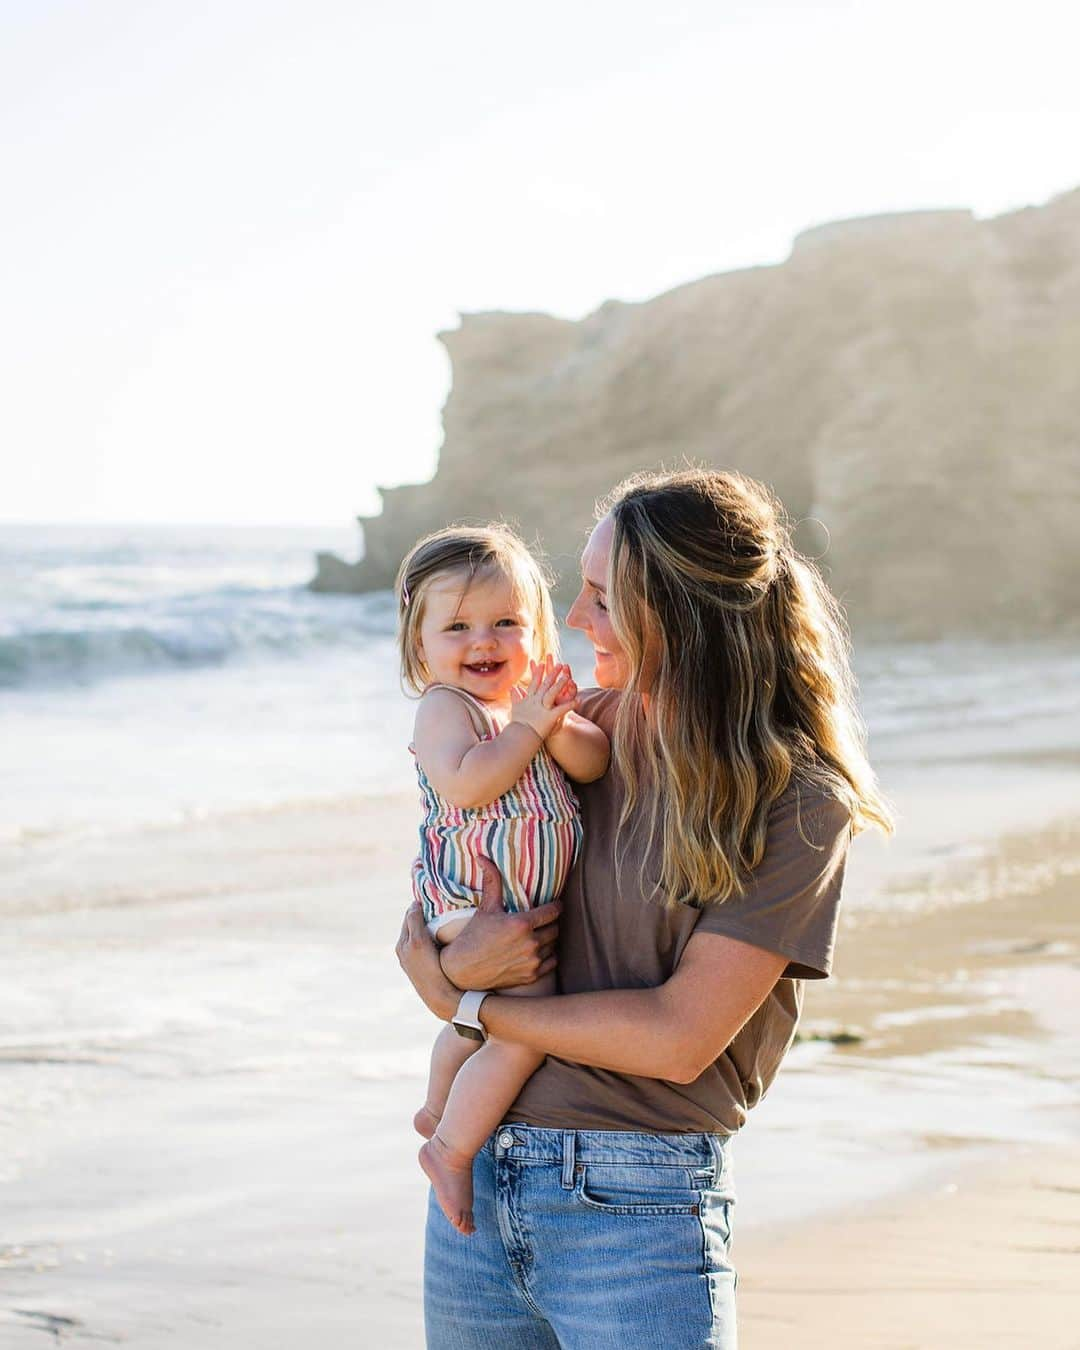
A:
{"points": [[791, 902], [600, 706]]}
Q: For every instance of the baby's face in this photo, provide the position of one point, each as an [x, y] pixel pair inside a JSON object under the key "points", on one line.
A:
{"points": [[477, 637]]}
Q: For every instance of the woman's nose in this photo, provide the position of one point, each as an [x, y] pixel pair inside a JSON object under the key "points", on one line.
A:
{"points": [[575, 617]]}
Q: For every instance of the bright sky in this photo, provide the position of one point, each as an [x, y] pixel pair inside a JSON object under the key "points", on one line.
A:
{"points": [[231, 231]]}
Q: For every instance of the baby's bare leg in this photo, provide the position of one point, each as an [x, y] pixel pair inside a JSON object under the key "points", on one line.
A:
{"points": [[485, 1087], [482, 1092], [448, 1054]]}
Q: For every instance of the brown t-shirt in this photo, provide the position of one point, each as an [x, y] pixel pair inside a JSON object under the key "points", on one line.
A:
{"points": [[615, 933]]}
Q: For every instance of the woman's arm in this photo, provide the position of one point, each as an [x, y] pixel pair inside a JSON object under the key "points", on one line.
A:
{"points": [[672, 1032], [580, 748]]}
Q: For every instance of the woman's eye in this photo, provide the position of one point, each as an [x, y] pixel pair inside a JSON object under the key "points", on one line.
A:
{"points": [[599, 603]]}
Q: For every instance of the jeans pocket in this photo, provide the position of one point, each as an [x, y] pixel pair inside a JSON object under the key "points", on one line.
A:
{"points": [[621, 1188]]}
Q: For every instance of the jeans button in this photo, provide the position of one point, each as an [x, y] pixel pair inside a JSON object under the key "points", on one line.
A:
{"points": [[506, 1139]]}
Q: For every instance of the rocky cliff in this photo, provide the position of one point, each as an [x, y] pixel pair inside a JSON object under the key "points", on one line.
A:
{"points": [[911, 382]]}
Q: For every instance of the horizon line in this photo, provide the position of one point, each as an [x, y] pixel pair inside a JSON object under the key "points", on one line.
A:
{"points": [[185, 524]]}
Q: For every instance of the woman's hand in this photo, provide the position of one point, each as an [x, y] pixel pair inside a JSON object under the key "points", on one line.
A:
{"points": [[418, 955], [496, 950]]}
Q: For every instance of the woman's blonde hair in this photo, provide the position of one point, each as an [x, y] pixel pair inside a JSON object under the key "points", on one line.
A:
{"points": [[469, 551], [743, 654]]}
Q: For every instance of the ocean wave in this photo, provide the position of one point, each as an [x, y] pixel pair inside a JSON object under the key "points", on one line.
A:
{"points": [[935, 687], [99, 639]]}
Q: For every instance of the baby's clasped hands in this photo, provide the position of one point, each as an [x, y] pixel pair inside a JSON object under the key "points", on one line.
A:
{"points": [[550, 696]]}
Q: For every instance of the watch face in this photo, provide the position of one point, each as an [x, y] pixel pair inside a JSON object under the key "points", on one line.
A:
{"points": [[472, 1033]]}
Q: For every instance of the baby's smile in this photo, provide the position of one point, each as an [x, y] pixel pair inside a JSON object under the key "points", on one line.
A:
{"points": [[485, 667]]}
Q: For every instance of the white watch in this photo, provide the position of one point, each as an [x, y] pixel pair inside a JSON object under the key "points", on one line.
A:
{"points": [[466, 1021]]}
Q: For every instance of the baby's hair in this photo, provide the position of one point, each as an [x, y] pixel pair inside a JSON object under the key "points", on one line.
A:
{"points": [[469, 551]]}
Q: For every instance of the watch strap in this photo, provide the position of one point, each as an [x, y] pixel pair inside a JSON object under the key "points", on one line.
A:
{"points": [[467, 1017]]}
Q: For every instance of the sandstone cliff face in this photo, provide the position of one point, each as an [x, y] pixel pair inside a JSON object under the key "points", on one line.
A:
{"points": [[912, 382]]}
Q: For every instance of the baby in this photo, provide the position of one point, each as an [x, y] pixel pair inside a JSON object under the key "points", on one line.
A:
{"points": [[495, 730]]}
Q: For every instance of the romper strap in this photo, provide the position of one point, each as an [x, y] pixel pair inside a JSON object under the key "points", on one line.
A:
{"points": [[476, 709]]}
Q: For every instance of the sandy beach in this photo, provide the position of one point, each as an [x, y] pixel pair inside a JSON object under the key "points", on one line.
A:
{"points": [[211, 1061], [987, 1258]]}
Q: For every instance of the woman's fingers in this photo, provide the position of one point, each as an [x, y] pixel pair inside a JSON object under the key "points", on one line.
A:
{"points": [[408, 927], [546, 937], [491, 887], [418, 955], [545, 941], [542, 916]]}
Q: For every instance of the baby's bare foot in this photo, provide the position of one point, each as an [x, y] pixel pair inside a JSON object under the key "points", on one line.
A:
{"points": [[425, 1122], [451, 1175]]}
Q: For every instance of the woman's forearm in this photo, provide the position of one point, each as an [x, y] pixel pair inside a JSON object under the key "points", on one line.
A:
{"points": [[673, 1031], [633, 1031]]}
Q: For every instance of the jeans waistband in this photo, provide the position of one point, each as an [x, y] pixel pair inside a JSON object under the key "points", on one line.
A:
{"points": [[531, 1143]]}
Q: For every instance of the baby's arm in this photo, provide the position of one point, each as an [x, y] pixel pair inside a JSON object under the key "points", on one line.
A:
{"points": [[580, 748], [464, 769]]}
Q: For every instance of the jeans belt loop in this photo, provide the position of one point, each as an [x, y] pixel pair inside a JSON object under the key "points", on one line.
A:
{"points": [[717, 1144], [568, 1160]]}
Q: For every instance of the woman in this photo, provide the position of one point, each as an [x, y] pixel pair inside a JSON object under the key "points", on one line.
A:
{"points": [[706, 892]]}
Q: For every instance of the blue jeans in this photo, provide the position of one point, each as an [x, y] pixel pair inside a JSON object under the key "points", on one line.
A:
{"points": [[587, 1240]]}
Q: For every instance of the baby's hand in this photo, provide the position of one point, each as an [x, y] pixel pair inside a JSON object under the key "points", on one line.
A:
{"points": [[550, 696]]}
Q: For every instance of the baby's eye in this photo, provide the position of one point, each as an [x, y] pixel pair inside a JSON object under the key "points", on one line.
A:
{"points": [[458, 626], [508, 623]]}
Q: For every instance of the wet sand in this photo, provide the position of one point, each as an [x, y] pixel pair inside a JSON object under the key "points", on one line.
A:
{"points": [[979, 1257], [963, 1031], [210, 1061]]}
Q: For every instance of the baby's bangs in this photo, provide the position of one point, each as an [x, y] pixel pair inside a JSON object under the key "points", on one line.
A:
{"points": [[507, 565]]}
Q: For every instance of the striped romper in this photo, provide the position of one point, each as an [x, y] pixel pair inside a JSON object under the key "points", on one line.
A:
{"points": [[532, 833]]}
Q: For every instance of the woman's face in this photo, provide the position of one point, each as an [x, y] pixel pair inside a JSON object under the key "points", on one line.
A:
{"points": [[589, 611]]}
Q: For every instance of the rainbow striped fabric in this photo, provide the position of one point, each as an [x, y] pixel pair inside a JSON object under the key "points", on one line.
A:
{"points": [[532, 833]]}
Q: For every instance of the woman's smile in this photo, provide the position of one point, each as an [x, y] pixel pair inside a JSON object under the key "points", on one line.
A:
{"points": [[589, 611]]}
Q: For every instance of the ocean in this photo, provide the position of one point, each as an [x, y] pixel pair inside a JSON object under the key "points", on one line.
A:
{"points": [[153, 674]]}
